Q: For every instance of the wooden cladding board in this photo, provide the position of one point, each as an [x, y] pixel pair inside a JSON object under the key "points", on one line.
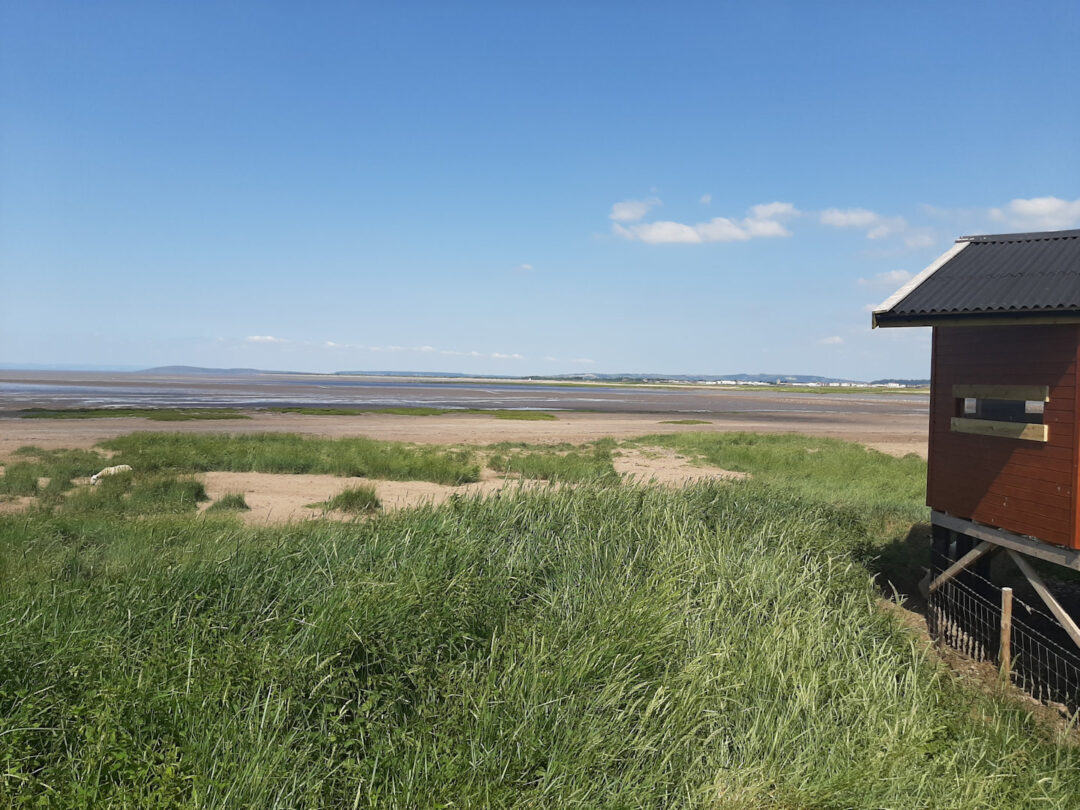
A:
{"points": [[1016, 476], [1026, 393], [1008, 430]]}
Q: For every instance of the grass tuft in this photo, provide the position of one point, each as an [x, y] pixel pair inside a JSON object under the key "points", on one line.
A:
{"points": [[355, 500], [229, 502]]}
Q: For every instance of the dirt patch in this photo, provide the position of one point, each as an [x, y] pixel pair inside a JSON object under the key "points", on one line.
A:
{"points": [[667, 468], [277, 498], [15, 505]]}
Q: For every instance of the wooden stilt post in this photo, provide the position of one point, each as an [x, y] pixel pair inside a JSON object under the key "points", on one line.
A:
{"points": [[1005, 650]]}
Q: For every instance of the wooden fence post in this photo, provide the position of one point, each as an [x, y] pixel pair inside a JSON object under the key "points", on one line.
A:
{"points": [[1005, 650]]}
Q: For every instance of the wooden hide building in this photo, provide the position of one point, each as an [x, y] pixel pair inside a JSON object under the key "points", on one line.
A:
{"points": [[1004, 461]]}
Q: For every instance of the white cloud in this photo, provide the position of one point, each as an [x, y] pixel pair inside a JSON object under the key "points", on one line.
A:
{"points": [[833, 340], [763, 221], [632, 210], [876, 225], [523, 268], [501, 356], [705, 199], [551, 359], [850, 218], [1039, 214], [583, 361], [921, 239], [888, 279], [264, 339]]}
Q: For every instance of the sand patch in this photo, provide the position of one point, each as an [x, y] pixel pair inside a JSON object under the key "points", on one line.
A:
{"points": [[667, 468], [15, 505], [280, 498]]}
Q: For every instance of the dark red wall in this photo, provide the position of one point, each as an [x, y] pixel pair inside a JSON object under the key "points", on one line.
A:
{"points": [[1023, 486]]}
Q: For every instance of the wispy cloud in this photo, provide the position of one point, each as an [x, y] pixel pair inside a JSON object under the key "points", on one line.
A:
{"points": [[502, 356], [705, 199], [1039, 214], [523, 268], [763, 221], [875, 225], [632, 210], [888, 279], [832, 340], [264, 339]]}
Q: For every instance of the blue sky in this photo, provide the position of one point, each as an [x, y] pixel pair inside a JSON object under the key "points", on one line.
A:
{"points": [[514, 188]]}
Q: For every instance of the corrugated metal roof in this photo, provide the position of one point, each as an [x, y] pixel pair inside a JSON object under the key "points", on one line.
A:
{"points": [[1020, 274]]}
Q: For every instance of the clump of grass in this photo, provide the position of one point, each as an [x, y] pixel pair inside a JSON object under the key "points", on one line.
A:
{"points": [[355, 500], [292, 453], [229, 502], [685, 422], [20, 478], [155, 414], [587, 647], [574, 466]]}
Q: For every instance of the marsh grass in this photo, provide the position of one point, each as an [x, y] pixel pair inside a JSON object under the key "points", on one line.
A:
{"points": [[590, 463], [155, 414], [498, 413], [593, 646], [129, 495], [355, 500], [60, 467], [229, 502], [293, 453]]}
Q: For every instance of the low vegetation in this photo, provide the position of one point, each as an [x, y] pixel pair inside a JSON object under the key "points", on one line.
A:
{"points": [[155, 414], [685, 422], [292, 453], [593, 463], [355, 500], [229, 502]]}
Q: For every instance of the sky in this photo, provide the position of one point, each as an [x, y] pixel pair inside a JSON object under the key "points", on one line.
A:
{"points": [[514, 188]]}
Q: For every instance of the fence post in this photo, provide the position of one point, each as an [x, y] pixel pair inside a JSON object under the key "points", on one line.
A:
{"points": [[1005, 650]]}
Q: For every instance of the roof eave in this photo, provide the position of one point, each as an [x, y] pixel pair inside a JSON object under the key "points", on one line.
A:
{"points": [[908, 288], [886, 320]]}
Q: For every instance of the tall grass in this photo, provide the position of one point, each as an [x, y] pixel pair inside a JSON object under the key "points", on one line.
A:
{"points": [[588, 647], [293, 453], [556, 464], [355, 500]]}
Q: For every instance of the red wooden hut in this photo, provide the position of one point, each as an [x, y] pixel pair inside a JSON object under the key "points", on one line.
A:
{"points": [[1004, 460]]}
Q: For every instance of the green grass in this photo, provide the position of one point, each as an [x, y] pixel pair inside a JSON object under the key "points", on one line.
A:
{"points": [[59, 466], [156, 414], [685, 422], [292, 453], [567, 466], [595, 646], [355, 500], [498, 413], [229, 502], [131, 495]]}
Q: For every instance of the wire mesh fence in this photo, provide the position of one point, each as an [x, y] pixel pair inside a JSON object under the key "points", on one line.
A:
{"points": [[966, 612]]}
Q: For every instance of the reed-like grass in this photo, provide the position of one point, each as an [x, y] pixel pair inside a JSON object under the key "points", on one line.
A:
{"points": [[293, 453], [591, 463], [587, 647]]}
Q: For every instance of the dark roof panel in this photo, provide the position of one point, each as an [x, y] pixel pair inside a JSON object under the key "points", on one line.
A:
{"points": [[1008, 274]]}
